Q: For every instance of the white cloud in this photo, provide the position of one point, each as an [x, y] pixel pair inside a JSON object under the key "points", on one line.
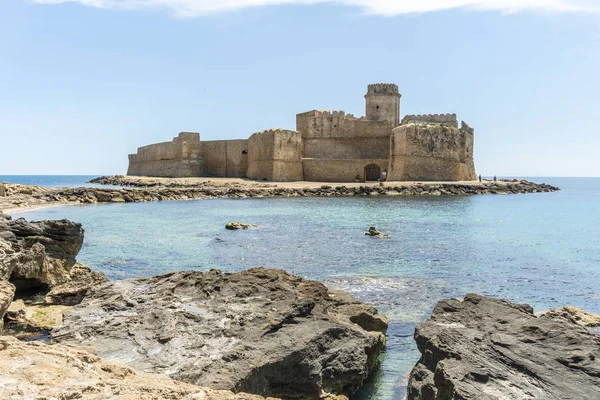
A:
{"points": [[193, 8]]}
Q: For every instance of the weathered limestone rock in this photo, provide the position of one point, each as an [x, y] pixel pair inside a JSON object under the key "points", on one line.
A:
{"points": [[574, 314], [39, 371], [38, 253], [484, 348], [239, 225], [23, 317], [82, 278], [375, 233], [36, 257], [7, 292], [260, 331]]}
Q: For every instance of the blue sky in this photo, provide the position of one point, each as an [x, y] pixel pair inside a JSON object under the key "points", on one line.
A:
{"points": [[85, 82]]}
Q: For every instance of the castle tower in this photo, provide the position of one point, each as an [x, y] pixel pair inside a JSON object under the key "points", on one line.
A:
{"points": [[383, 103]]}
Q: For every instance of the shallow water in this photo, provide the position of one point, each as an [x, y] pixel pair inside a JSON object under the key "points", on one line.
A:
{"points": [[541, 249]]}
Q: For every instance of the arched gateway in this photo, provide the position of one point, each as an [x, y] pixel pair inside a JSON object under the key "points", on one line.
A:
{"points": [[372, 172]]}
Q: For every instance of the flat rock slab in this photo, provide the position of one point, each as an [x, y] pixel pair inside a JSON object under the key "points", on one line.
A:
{"points": [[260, 331], [490, 349], [39, 371]]}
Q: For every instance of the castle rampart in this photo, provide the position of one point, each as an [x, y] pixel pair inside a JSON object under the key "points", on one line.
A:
{"points": [[180, 157], [275, 155], [446, 119], [431, 152], [329, 146]]}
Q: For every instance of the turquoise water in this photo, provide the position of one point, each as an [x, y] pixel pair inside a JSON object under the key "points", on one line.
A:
{"points": [[49, 180], [541, 249]]}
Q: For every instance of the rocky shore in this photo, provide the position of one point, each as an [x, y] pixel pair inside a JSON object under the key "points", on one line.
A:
{"points": [[256, 334], [261, 331], [145, 190], [485, 348]]}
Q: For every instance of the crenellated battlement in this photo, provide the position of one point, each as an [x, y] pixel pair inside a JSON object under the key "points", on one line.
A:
{"points": [[465, 127], [330, 114], [194, 136], [274, 131], [382, 89], [445, 119]]}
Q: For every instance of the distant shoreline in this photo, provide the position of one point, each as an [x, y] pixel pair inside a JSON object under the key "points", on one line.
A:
{"points": [[17, 198]]}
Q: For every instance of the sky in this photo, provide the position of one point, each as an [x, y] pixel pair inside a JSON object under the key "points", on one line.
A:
{"points": [[83, 83]]}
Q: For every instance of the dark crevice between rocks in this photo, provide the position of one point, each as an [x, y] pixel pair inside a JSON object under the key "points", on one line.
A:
{"points": [[32, 291]]}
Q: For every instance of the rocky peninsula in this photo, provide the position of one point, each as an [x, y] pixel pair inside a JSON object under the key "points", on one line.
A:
{"points": [[141, 189]]}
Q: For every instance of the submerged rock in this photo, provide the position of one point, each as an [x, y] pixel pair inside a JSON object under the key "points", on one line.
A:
{"points": [[375, 233], [39, 371], [239, 225], [485, 348], [260, 331]]}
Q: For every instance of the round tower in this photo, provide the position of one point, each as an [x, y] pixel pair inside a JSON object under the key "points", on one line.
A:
{"points": [[383, 103]]}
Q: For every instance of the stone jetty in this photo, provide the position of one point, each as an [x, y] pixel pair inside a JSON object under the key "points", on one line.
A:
{"points": [[134, 190]]}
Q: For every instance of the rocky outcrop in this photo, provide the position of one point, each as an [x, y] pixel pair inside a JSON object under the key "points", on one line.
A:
{"points": [[234, 226], [375, 233], [38, 253], [484, 348], [38, 258], [260, 331], [574, 314], [70, 293], [39, 371]]}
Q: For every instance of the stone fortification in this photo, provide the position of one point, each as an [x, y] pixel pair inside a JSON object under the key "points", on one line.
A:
{"points": [[329, 146], [275, 155], [432, 152], [187, 156], [180, 157], [445, 119]]}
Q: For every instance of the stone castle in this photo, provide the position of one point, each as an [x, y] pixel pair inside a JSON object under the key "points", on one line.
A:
{"points": [[327, 146]]}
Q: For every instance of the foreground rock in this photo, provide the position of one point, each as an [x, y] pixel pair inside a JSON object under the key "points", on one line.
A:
{"points": [[38, 258], [260, 331], [34, 254], [39, 371], [574, 314], [483, 348]]}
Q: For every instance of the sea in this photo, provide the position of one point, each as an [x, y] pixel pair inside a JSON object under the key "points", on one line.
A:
{"points": [[542, 249]]}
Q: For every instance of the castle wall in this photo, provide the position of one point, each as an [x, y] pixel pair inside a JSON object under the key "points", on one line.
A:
{"points": [[431, 153], [327, 170], [225, 158], [275, 155], [336, 135], [178, 158], [446, 119]]}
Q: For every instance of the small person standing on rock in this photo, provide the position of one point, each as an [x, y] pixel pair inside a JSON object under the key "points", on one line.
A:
{"points": [[480, 178], [495, 178]]}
